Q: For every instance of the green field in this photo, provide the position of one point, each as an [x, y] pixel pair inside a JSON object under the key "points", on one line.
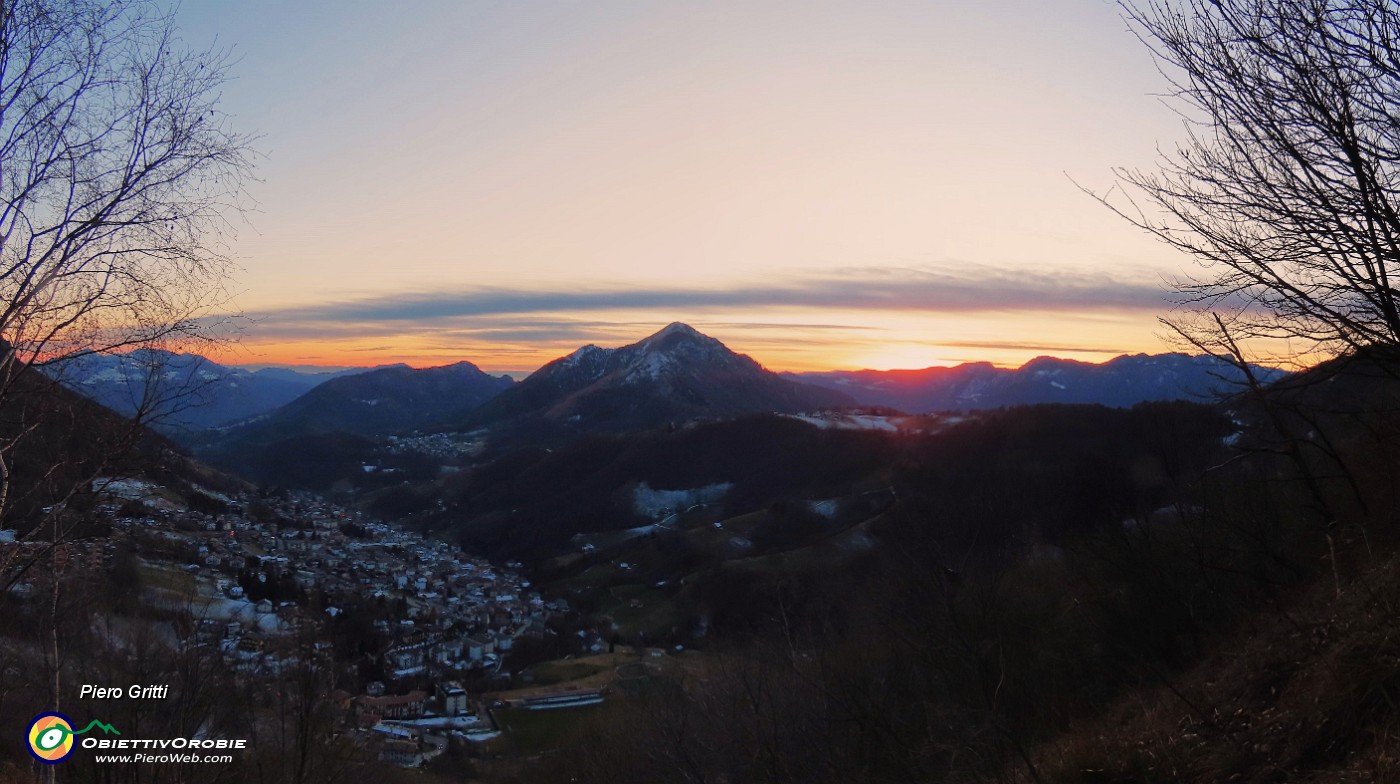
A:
{"points": [[562, 671], [534, 731], [169, 579]]}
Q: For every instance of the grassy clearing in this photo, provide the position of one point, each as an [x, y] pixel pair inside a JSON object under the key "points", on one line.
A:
{"points": [[535, 731], [656, 616], [572, 674], [565, 670], [172, 580]]}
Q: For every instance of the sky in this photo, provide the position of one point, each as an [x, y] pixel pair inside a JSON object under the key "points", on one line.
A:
{"points": [[821, 185]]}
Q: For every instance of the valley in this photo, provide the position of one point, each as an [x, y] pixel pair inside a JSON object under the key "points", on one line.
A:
{"points": [[733, 392], [506, 578]]}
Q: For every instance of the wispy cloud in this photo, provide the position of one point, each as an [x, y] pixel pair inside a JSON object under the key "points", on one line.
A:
{"points": [[894, 315], [889, 289]]}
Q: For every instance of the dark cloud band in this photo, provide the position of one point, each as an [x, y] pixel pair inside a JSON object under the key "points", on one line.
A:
{"points": [[885, 289]]}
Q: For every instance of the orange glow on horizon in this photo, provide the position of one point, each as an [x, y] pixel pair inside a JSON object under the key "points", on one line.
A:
{"points": [[521, 358]]}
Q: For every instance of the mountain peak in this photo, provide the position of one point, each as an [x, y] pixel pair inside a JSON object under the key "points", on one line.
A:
{"points": [[677, 348], [679, 337], [677, 373], [675, 328]]}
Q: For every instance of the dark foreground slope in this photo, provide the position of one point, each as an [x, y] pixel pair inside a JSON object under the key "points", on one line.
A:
{"points": [[1055, 595], [531, 501], [60, 446]]}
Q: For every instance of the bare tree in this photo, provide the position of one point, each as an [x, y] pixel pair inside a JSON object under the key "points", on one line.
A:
{"points": [[118, 180], [1286, 190]]}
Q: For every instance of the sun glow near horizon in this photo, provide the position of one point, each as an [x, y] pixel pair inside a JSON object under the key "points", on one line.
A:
{"points": [[501, 184], [855, 341]]}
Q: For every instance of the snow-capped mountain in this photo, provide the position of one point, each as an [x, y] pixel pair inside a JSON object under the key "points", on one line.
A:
{"points": [[674, 375], [181, 392], [1120, 382]]}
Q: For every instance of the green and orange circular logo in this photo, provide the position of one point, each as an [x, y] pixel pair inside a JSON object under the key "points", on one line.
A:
{"points": [[51, 737]]}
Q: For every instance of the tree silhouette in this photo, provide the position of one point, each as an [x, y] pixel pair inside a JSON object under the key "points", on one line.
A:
{"points": [[119, 177], [1286, 190]]}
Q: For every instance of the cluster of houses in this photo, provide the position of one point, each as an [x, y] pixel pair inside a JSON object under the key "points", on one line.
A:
{"points": [[410, 729], [445, 445], [439, 614], [80, 554], [448, 612]]}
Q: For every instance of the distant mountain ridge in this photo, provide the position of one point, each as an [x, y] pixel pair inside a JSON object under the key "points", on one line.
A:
{"points": [[676, 374], [180, 393], [380, 402], [328, 433], [1120, 382]]}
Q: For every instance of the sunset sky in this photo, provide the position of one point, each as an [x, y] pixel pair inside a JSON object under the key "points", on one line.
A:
{"points": [[818, 184]]}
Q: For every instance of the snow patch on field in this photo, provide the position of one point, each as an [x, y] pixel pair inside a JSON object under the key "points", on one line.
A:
{"points": [[438, 722], [218, 608], [655, 502], [826, 508], [836, 421], [126, 489]]}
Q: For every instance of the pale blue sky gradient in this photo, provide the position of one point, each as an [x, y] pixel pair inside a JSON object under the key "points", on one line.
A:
{"points": [[477, 152]]}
